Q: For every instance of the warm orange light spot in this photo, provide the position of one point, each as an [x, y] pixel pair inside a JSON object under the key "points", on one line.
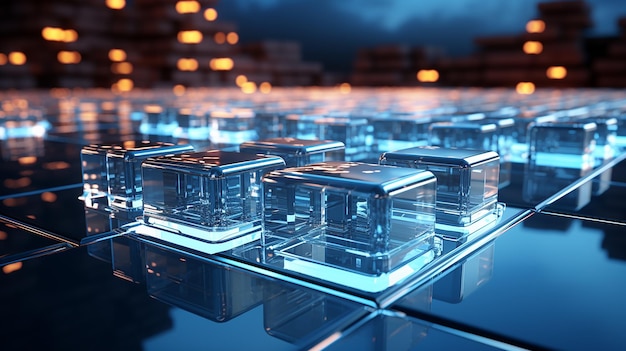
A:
{"points": [[153, 109], [68, 57], [556, 72], [48, 196], [3, 235], [532, 47], [117, 55], [219, 37], [70, 36], [345, 88], [248, 87], [525, 88], [240, 80], [3, 59], [210, 14], [17, 58], [232, 38], [12, 267], [427, 75], [125, 84], [535, 26], [116, 4], [179, 90], [187, 64], [190, 36], [187, 6], [27, 160], [265, 87], [122, 68], [221, 64], [53, 34]]}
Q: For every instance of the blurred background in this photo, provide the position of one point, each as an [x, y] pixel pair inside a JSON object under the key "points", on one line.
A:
{"points": [[128, 44]]}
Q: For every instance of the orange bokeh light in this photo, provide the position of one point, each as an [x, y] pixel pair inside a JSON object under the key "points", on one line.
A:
{"points": [[535, 26], [248, 87], [525, 88], [189, 36], [532, 47], [219, 37], [265, 87], [68, 57], [117, 55], [17, 58], [232, 38], [187, 6], [179, 90], [210, 14], [122, 68], [116, 4], [345, 88], [187, 64], [556, 72], [427, 75], [221, 64]]}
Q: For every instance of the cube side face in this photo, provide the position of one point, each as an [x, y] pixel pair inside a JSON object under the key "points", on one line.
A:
{"points": [[124, 182], [464, 194], [354, 230], [397, 134], [196, 202], [567, 147], [95, 183], [353, 135], [451, 136], [292, 156]]}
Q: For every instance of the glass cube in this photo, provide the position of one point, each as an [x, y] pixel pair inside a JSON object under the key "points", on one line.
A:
{"points": [[467, 184], [477, 136], [353, 132], [270, 124], [232, 127], [95, 181], [606, 147], [205, 288], [504, 144], [123, 164], [192, 124], [560, 154], [297, 152], [520, 147], [156, 120], [351, 219], [211, 196], [22, 124], [396, 132], [302, 126]]}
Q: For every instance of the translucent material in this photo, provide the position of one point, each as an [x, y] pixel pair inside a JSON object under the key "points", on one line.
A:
{"points": [[396, 132], [467, 184], [364, 218], [192, 124], [125, 189], [270, 124], [232, 127], [605, 150], [212, 196], [560, 153], [353, 132], [157, 120], [478, 136], [297, 152], [504, 146], [22, 124], [520, 147]]}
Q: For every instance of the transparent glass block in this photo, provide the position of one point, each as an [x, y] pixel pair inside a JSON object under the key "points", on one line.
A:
{"points": [[562, 144], [123, 167], [467, 184], [504, 146], [211, 196], [23, 124], [353, 132], [302, 126], [540, 182], [205, 288], [232, 127], [520, 147], [128, 258], [351, 219], [156, 120], [95, 181], [396, 132], [192, 124], [270, 124], [297, 152], [477, 136], [605, 150]]}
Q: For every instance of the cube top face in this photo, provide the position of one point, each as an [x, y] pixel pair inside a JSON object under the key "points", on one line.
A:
{"points": [[451, 157], [362, 177], [474, 127], [215, 163], [563, 137], [341, 121], [291, 146], [138, 150]]}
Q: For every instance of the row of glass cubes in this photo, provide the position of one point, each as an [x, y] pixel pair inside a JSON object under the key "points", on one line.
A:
{"points": [[374, 223]]}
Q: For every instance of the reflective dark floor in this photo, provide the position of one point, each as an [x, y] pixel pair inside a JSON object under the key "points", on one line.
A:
{"points": [[549, 275]]}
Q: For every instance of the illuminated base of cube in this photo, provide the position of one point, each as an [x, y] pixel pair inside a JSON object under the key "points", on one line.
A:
{"points": [[125, 203], [364, 282], [198, 133], [485, 223], [231, 137], [166, 129], [196, 243]]}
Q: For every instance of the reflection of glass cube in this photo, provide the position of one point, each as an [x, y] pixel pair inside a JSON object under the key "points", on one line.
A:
{"points": [[22, 124], [297, 152], [353, 132], [232, 127], [213, 196], [358, 217], [467, 184], [208, 289], [478, 136], [396, 132], [124, 170]]}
